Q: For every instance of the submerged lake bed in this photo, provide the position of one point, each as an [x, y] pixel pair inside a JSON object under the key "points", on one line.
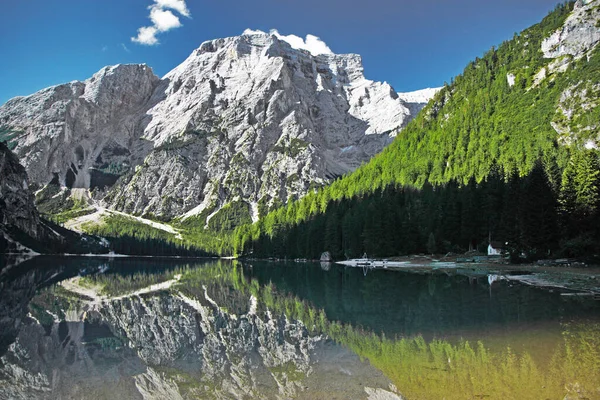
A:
{"points": [[97, 328]]}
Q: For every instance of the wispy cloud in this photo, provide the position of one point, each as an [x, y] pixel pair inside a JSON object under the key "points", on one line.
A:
{"points": [[163, 20], [104, 48], [125, 48]]}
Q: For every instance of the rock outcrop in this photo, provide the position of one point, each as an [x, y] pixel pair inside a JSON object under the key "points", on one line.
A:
{"points": [[247, 119], [80, 132], [22, 231], [17, 209], [579, 34], [577, 38]]}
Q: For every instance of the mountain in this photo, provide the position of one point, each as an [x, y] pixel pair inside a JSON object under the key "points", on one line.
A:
{"points": [[507, 151], [245, 122], [418, 99], [17, 211], [21, 228]]}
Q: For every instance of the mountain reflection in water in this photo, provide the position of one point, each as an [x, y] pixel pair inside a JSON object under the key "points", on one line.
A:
{"points": [[156, 328]]}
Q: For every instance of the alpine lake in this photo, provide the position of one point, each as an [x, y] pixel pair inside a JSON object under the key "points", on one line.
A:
{"points": [[157, 328]]}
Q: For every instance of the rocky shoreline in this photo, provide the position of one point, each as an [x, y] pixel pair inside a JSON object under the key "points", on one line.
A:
{"points": [[569, 277]]}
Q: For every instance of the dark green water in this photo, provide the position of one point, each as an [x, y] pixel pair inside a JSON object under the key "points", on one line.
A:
{"points": [[428, 303], [157, 328]]}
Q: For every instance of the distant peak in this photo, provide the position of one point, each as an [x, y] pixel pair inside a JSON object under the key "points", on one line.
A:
{"points": [[313, 44], [251, 32], [419, 96], [112, 69]]}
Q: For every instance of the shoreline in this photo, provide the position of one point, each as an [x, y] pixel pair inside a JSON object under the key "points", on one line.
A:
{"points": [[570, 280]]}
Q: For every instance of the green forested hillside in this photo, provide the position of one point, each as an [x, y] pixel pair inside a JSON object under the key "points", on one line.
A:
{"points": [[482, 160]]}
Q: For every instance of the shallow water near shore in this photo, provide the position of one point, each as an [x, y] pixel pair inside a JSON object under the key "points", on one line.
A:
{"points": [[162, 328]]}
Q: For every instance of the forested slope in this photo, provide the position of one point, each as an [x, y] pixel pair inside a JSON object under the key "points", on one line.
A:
{"points": [[506, 151]]}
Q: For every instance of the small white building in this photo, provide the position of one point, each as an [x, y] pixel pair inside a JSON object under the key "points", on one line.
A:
{"points": [[496, 248]]}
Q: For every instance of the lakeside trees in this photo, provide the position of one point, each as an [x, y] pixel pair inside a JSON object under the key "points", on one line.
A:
{"points": [[523, 212]]}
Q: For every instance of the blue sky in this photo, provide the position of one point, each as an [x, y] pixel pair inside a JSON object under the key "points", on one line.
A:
{"points": [[410, 44]]}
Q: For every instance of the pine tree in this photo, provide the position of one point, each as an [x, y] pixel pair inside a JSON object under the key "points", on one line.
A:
{"points": [[333, 237], [568, 200], [587, 183], [431, 246], [539, 231]]}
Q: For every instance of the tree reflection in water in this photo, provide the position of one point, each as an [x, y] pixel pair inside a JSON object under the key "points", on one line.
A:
{"points": [[433, 335]]}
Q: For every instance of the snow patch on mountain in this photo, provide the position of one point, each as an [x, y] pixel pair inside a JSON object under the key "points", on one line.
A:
{"points": [[419, 96]]}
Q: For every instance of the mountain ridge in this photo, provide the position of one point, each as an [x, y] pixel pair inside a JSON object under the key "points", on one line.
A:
{"points": [[246, 119]]}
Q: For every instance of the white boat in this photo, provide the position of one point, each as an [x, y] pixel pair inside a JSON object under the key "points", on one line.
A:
{"points": [[358, 262]]}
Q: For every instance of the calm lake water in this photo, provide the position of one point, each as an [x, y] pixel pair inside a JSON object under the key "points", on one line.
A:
{"points": [[90, 328]]}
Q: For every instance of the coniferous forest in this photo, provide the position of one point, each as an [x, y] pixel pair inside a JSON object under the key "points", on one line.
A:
{"points": [[524, 213], [484, 160]]}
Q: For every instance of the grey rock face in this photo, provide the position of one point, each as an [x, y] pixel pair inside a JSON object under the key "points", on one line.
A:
{"points": [[579, 34], [71, 131], [243, 118], [571, 121], [22, 232], [16, 201]]}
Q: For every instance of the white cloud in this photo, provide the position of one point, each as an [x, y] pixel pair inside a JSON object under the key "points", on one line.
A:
{"points": [[146, 35], [316, 46], [125, 48], [312, 44], [163, 20], [177, 5]]}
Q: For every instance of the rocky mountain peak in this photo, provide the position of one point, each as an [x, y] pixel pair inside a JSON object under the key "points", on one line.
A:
{"points": [[251, 119], [135, 81], [61, 132]]}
